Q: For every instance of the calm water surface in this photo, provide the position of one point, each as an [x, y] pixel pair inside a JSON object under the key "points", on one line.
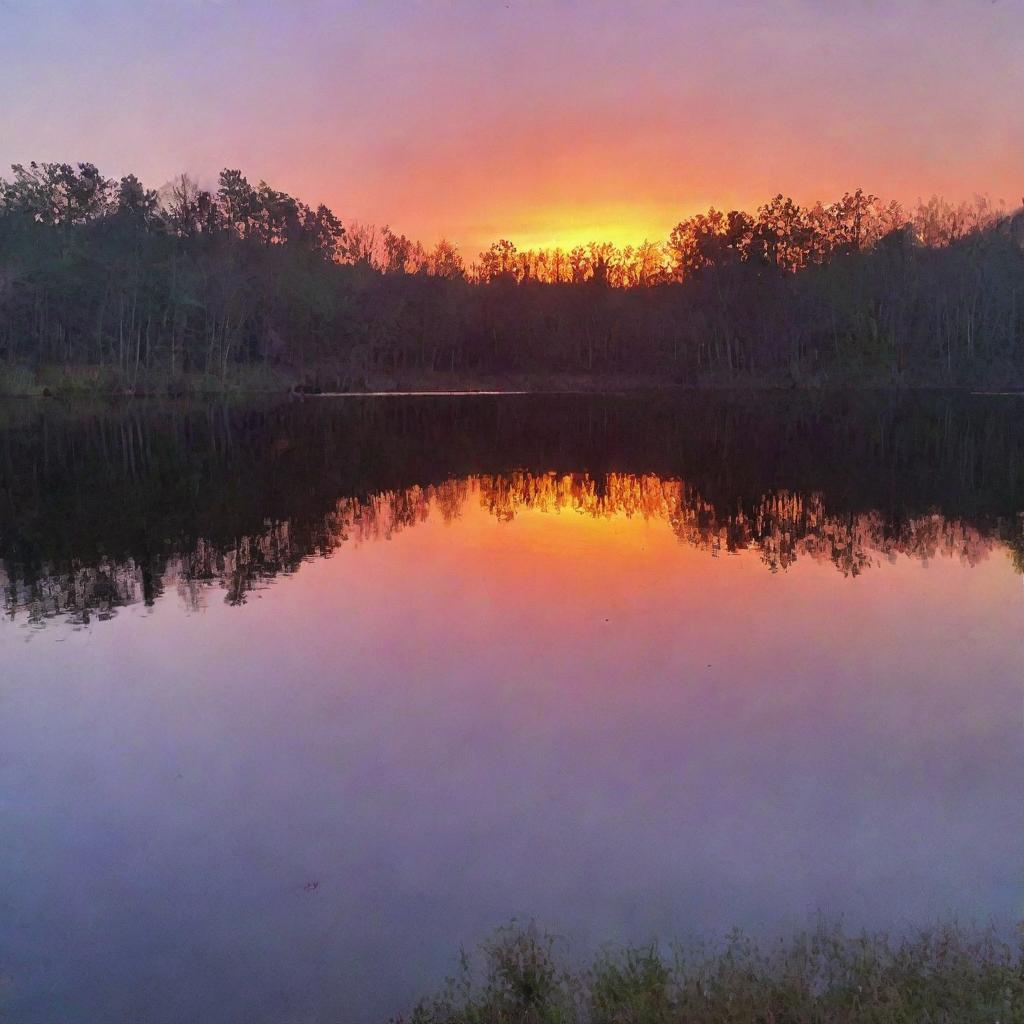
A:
{"points": [[295, 699]]}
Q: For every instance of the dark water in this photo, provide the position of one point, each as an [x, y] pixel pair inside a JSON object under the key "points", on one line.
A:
{"points": [[297, 698]]}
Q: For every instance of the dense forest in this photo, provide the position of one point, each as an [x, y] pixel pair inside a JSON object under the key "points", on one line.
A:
{"points": [[108, 284], [104, 504]]}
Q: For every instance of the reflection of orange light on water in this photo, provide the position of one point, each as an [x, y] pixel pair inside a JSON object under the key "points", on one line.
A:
{"points": [[550, 585], [623, 522], [570, 527], [594, 521]]}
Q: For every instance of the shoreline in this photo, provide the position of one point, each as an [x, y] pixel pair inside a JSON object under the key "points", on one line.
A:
{"points": [[73, 387], [610, 391]]}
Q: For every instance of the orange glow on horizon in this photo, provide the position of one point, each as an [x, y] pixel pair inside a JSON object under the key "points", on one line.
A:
{"points": [[565, 227]]}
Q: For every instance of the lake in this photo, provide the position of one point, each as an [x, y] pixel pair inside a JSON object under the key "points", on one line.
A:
{"points": [[297, 697]]}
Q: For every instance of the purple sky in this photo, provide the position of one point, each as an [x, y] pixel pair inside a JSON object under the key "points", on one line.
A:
{"points": [[541, 122]]}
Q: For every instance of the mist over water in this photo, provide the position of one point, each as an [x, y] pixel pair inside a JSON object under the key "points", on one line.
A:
{"points": [[299, 697]]}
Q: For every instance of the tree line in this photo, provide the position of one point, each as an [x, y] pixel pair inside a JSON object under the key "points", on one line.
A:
{"points": [[146, 289]]}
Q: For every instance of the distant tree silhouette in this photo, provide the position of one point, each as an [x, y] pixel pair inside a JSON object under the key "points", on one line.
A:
{"points": [[143, 290]]}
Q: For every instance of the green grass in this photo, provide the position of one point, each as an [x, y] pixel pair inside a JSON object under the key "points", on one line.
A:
{"points": [[947, 975]]}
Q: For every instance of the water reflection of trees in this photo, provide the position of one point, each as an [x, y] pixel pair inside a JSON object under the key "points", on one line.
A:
{"points": [[108, 508], [782, 528]]}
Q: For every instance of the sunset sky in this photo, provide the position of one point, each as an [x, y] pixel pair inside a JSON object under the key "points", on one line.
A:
{"points": [[546, 123]]}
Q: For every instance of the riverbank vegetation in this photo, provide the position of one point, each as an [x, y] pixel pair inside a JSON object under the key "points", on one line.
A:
{"points": [[943, 976], [112, 286]]}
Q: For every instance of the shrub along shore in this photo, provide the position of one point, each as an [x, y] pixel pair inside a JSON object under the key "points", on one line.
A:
{"points": [[946, 975]]}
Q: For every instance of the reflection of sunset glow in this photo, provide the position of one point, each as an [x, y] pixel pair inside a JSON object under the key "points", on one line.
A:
{"points": [[503, 692], [556, 516]]}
